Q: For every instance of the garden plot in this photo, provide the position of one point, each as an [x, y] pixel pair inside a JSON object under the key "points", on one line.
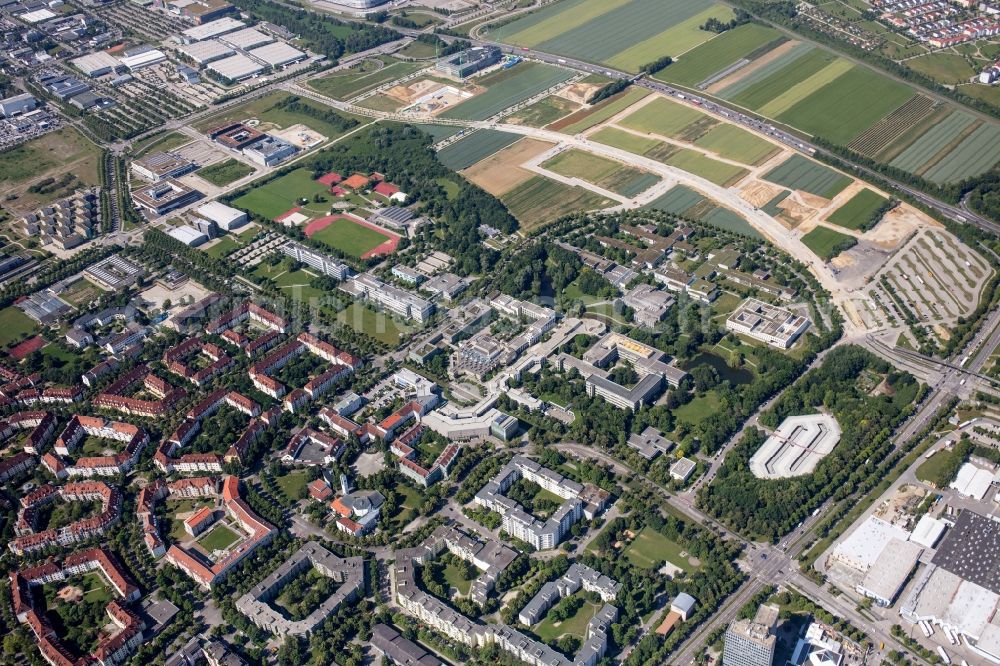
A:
{"points": [[937, 277]]}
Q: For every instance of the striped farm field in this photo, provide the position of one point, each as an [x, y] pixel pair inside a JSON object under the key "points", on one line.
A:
{"points": [[508, 87], [977, 153], [716, 55], [597, 114], [541, 200], [603, 37], [827, 243], [766, 89], [661, 116], [474, 148], [737, 144], [553, 20], [933, 142], [601, 171], [857, 212], [801, 173], [677, 200], [803, 89], [680, 38], [880, 135], [849, 105], [727, 220], [755, 73]]}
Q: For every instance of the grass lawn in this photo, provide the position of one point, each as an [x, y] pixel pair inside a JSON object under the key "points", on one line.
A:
{"points": [[408, 507], [373, 324], [266, 109], [455, 577], [294, 484], [281, 194], [219, 537], [162, 142], [450, 187], [936, 468], [417, 49], [95, 588], [575, 625], [353, 82], [54, 154], [14, 325], [946, 68], [650, 547], [224, 246], [698, 409], [222, 173], [858, 211], [827, 243], [184, 506], [349, 237]]}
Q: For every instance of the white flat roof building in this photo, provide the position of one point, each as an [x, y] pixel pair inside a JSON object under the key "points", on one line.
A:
{"points": [[862, 548], [885, 580], [768, 323], [221, 26], [226, 217], [247, 38], [928, 531], [236, 67], [796, 447], [972, 481], [188, 235], [206, 51], [96, 64], [277, 54], [144, 59]]}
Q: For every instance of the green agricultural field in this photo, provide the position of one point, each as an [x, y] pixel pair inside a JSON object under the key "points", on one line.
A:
{"points": [[760, 90], [649, 547], [827, 243], [934, 141], [222, 173], [544, 111], [779, 66], [474, 148], [977, 153], [349, 237], [540, 200], [801, 173], [281, 194], [351, 83], [219, 537], [726, 219], [674, 41], [847, 106], [720, 173], [639, 22], [737, 144], [677, 200], [575, 625], [373, 324], [803, 89], [661, 116], [507, 88], [597, 114], [712, 57], [633, 143], [603, 172], [945, 68], [441, 132], [857, 212], [14, 325]]}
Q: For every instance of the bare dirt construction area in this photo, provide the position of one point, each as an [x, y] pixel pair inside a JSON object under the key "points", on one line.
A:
{"points": [[897, 225], [743, 72], [501, 172], [757, 193], [793, 213], [430, 96], [578, 92], [70, 594], [300, 136]]}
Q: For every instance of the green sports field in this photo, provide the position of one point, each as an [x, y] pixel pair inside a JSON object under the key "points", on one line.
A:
{"points": [[474, 148], [14, 324], [801, 173], [281, 194], [827, 243], [858, 211], [349, 237], [508, 87]]}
